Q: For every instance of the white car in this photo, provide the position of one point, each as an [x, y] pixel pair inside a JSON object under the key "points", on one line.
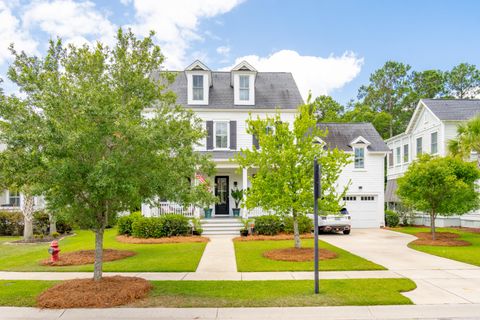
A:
{"points": [[335, 222]]}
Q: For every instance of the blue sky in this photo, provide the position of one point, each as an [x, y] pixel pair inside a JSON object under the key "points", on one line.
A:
{"points": [[331, 47]]}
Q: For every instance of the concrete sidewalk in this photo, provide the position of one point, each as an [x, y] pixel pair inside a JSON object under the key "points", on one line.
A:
{"points": [[219, 256], [471, 311]]}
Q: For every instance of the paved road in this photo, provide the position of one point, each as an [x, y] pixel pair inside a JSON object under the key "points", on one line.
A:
{"points": [[438, 280], [469, 311]]}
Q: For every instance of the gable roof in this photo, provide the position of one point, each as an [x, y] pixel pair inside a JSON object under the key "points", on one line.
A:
{"points": [[340, 135], [453, 109], [272, 90]]}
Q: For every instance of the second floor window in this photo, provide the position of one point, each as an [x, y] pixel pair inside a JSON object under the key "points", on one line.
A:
{"points": [[434, 143], [397, 155], [419, 146], [405, 153], [197, 87], [359, 158], [244, 87], [221, 135]]}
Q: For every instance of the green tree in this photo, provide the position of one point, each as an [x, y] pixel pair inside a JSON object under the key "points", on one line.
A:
{"points": [[328, 110], [427, 84], [463, 81], [102, 151], [467, 140], [440, 186], [388, 88], [283, 181]]}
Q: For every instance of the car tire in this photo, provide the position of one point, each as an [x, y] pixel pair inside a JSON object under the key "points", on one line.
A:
{"points": [[346, 231]]}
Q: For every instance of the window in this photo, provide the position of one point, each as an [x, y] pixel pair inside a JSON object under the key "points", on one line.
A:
{"points": [[14, 198], [221, 135], [405, 153], [197, 87], [419, 146], [367, 198], [359, 158], [350, 198], [434, 143], [244, 87], [397, 155], [390, 159]]}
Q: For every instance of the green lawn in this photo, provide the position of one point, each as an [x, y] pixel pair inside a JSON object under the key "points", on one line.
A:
{"points": [[176, 257], [469, 254], [250, 258], [242, 293]]}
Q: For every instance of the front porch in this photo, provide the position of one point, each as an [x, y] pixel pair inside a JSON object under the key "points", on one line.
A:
{"points": [[227, 177]]}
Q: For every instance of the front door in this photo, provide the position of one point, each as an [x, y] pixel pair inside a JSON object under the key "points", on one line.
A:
{"points": [[221, 192]]}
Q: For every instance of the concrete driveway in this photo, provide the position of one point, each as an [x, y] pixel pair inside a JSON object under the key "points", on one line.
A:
{"points": [[439, 280]]}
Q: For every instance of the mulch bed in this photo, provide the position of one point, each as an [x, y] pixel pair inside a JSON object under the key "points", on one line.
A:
{"points": [[180, 239], [298, 255], [88, 257], [87, 293], [446, 239], [282, 236]]}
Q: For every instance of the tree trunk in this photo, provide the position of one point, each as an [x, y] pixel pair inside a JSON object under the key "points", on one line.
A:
{"points": [[53, 223], [27, 211], [432, 225], [97, 266], [296, 233]]}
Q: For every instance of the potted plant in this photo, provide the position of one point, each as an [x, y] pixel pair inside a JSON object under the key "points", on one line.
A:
{"points": [[237, 195], [246, 227]]}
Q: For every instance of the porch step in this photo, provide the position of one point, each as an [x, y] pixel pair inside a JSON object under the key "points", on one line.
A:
{"points": [[221, 226]]}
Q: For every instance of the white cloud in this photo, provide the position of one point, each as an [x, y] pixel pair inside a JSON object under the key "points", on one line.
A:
{"points": [[223, 50], [75, 22], [11, 32], [318, 74], [176, 23]]}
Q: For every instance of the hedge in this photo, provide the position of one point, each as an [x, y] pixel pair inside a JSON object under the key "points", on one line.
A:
{"points": [[269, 225], [165, 226], [391, 218], [11, 223], [305, 224], [124, 223]]}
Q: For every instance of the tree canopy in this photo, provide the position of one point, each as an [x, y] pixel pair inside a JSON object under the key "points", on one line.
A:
{"points": [[467, 140], [105, 130], [440, 186]]}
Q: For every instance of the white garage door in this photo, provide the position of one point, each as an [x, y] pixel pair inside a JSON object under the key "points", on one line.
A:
{"points": [[364, 210]]}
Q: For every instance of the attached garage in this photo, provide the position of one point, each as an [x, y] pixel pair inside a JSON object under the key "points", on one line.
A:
{"points": [[364, 210]]}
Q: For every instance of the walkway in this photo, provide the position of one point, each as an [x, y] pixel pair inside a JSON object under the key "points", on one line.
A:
{"points": [[443, 312], [219, 256], [438, 280]]}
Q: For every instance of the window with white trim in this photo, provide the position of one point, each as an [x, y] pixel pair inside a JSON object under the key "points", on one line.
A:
{"points": [[350, 198], [221, 134], [405, 153], [434, 143], [359, 158], [244, 87], [197, 87], [419, 146], [367, 198], [397, 155], [14, 198]]}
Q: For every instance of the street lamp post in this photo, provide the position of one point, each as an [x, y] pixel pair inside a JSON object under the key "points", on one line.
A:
{"points": [[316, 194]]}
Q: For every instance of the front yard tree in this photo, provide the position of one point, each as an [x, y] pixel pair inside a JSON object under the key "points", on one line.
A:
{"points": [[440, 186], [102, 153], [283, 182]]}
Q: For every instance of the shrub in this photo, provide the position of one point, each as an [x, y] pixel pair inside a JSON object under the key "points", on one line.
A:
{"points": [[174, 225], [144, 227], [63, 226], [305, 224], [196, 226], [11, 223], [391, 218], [41, 222], [269, 225], [124, 223]]}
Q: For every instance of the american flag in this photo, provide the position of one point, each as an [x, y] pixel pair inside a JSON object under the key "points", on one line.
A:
{"points": [[202, 180]]}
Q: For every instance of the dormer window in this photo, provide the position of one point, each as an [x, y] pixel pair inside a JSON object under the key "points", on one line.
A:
{"points": [[197, 87], [244, 87], [359, 157]]}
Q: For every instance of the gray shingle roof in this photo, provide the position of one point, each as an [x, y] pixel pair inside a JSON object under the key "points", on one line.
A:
{"points": [[457, 109], [341, 134], [272, 90]]}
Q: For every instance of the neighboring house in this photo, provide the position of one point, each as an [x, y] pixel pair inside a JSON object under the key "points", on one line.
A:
{"points": [[365, 175], [224, 100], [433, 124]]}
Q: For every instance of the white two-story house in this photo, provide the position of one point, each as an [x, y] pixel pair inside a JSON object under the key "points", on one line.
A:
{"points": [[225, 100], [432, 125]]}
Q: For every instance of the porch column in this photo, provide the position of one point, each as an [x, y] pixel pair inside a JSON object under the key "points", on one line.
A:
{"points": [[244, 187]]}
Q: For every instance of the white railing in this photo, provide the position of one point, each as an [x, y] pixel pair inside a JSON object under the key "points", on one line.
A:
{"points": [[257, 212], [166, 207]]}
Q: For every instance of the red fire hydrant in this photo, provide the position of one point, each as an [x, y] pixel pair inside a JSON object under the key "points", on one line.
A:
{"points": [[53, 250]]}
